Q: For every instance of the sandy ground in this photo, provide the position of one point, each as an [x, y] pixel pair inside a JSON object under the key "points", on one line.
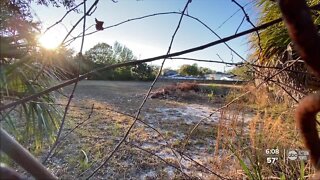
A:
{"points": [[141, 157]]}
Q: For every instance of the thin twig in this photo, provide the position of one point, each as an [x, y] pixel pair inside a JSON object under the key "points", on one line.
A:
{"points": [[78, 125], [185, 156], [60, 20], [158, 14], [74, 26], [143, 102], [120, 23], [232, 101], [151, 15], [73, 90], [250, 22], [240, 25], [288, 93], [236, 64], [131, 63], [139, 18], [132, 116], [74, 128], [7, 113], [153, 154], [232, 15], [286, 85]]}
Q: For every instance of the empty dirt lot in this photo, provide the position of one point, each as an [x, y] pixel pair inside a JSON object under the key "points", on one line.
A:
{"points": [[157, 151]]}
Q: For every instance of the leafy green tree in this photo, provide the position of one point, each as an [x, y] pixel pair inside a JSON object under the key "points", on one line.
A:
{"points": [[101, 53], [189, 70], [122, 53], [205, 70], [155, 70], [23, 72], [104, 54], [143, 72]]}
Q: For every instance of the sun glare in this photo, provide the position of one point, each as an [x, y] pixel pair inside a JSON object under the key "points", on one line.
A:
{"points": [[48, 41]]}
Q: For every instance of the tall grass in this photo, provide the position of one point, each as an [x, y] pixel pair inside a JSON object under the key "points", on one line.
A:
{"points": [[243, 141]]}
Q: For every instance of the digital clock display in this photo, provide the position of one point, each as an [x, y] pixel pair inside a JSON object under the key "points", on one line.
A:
{"points": [[274, 151]]}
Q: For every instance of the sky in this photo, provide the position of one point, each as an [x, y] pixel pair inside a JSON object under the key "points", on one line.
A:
{"points": [[151, 36]]}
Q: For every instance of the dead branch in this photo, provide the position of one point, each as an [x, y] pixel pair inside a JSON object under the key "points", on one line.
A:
{"points": [[251, 23], [144, 100], [23, 157], [65, 15], [74, 87], [131, 63]]}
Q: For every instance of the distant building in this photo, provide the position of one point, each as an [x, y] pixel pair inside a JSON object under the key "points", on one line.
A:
{"points": [[170, 73], [209, 76], [220, 76]]}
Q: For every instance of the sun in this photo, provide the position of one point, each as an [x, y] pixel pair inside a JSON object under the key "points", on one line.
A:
{"points": [[49, 41]]}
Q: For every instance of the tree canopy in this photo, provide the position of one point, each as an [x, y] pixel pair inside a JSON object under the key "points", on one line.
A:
{"points": [[194, 70], [104, 54], [101, 53]]}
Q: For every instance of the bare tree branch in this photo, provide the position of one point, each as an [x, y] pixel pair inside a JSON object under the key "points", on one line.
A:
{"points": [[65, 15], [73, 90], [251, 23], [74, 26], [232, 101], [143, 102], [130, 63]]}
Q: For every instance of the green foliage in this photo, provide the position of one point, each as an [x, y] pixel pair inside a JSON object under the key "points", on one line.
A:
{"points": [[204, 71], [211, 96], [32, 120], [242, 72], [143, 72], [103, 54], [26, 69], [123, 73], [17, 32], [274, 39], [189, 70], [84, 161], [249, 173], [122, 53], [194, 70]]}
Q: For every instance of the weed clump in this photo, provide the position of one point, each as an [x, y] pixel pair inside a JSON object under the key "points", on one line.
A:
{"points": [[175, 90]]}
